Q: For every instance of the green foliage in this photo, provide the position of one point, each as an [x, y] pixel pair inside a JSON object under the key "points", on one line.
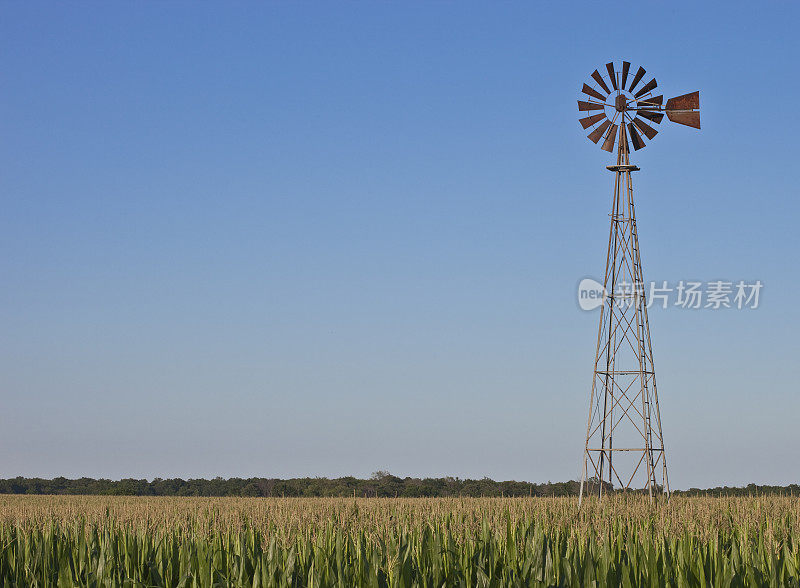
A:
{"points": [[470, 543], [380, 484], [526, 554]]}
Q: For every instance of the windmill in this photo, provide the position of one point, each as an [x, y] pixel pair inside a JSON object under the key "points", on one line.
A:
{"points": [[624, 445]]}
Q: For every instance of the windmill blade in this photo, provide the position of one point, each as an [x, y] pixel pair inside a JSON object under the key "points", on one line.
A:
{"points": [[592, 92], [600, 81], [656, 117], [623, 137], [690, 119], [652, 101], [625, 67], [648, 131], [685, 102], [611, 74], [595, 135], [648, 87], [611, 137], [636, 138], [639, 75], [588, 121], [589, 106]]}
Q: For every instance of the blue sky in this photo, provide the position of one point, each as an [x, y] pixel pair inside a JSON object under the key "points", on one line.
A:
{"points": [[305, 239]]}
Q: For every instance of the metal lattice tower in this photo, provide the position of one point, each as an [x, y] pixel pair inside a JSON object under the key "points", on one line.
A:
{"points": [[624, 445]]}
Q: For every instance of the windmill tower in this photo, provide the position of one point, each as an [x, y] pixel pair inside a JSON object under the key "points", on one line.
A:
{"points": [[624, 445]]}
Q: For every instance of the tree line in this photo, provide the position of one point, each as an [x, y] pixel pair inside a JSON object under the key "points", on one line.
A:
{"points": [[380, 484]]}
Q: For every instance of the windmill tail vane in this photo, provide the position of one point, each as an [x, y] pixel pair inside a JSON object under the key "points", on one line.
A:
{"points": [[624, 443]]}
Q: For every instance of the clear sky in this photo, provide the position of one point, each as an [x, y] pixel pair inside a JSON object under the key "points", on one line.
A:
{"points": [[329, 238]]}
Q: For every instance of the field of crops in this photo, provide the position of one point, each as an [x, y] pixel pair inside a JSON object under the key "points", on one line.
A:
{"points": [[129, 541]]}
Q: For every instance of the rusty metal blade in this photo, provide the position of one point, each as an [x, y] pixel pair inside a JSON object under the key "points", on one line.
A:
{"points": [[648, 87], [611, 136], [600, 81], [636, 138], [625, 67], [588, 121], [595, 135], [589, 106], [639, 75], [652, 101], [690, 119], [611, 74], [656, 117], [592, 92], [686, 102], [648, 131]]}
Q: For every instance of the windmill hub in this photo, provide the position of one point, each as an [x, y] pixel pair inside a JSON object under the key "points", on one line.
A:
{"points": [[621, 103]]}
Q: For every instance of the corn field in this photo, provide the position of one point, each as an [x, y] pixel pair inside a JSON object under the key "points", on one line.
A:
{"points": [[204, 542]]}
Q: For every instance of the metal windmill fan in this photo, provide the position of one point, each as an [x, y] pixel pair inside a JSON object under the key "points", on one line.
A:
{"points": [[624, 105]]}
